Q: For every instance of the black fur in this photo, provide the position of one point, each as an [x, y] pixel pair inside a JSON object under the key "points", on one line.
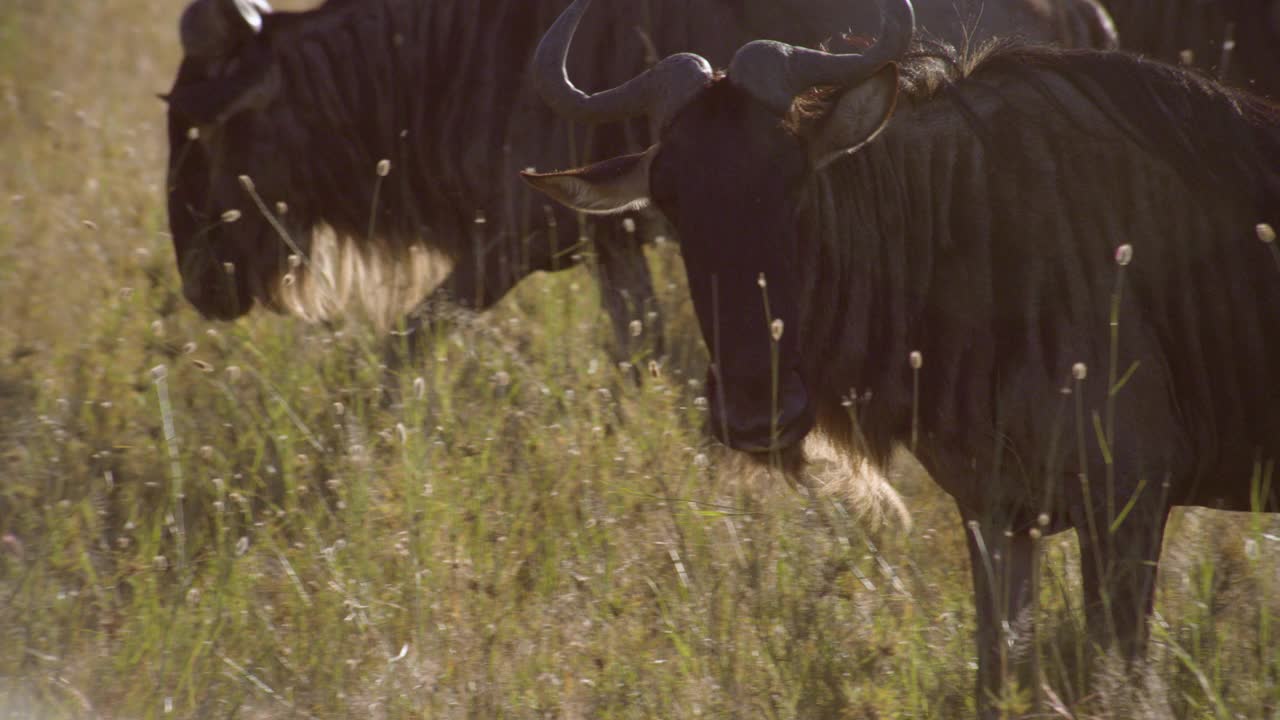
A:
{"points": [[1165, 28], [310, 106], [981, 230]]}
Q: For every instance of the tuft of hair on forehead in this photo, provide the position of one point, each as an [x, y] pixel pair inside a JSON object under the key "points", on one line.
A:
{"points": [[928, 67]]}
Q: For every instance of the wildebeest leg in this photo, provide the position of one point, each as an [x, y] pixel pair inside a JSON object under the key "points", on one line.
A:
{"points": [[1001, 563], [1119, 571], [626, 291]]}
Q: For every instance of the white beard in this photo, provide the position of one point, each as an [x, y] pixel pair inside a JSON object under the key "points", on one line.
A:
{"points": [[340, 273]]}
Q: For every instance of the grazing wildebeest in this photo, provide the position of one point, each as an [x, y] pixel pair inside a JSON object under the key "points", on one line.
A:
{"points": [[307, 105], [374, 135], [962, 23], [1197, 30], [914, 248]]}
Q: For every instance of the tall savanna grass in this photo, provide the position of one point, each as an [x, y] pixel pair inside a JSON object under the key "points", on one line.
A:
{"points": [[258, 520]]}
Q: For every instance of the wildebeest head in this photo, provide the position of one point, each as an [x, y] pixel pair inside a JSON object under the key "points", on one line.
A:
{"points": [[727, 171], [226, 77]]}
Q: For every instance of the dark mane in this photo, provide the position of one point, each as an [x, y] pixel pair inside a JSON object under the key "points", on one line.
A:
{"points": [[1207, 129], [1175, 112]]}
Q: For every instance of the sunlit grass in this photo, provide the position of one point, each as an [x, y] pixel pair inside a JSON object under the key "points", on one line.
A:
{"points": [[243, 520]]}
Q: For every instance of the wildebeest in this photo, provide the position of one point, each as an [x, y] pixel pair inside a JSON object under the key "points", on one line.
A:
{"points": [[1047, 270], [962, 23], [1238, 41], [375, 137], [310, 107]]}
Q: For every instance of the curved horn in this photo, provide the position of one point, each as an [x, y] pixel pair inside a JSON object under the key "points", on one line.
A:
{"points": [[775, 73], [657, 92]]}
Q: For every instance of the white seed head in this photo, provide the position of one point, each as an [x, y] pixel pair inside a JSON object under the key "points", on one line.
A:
{"points": [[242, 545], [288, 280], [502, 378], [1187, 57], [230, 216], [629, 225], [916, 360], [160, 562], [419, 388], [295, 260], [1124, 254], [206, 452], [89, 224], [193, 133], [761, 281], [1266, 233], [159, 373], [701, 403], [384, 167], [701, 460], [202, 366], [233, 374], [1079, 371], [1043, 520], [246, 182], [636, 328], [655, 370], [1034, 533], [229, 268], [157, 328], [282, 207], [188, 347], [775, 329], [339, 409]]}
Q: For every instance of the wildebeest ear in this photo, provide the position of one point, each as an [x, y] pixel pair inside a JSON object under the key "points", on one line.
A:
{"points": [[858, 116], [605, 188]]}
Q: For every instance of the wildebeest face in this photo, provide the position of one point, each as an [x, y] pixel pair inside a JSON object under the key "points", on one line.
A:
{"points": [[225, 250], [727, 173]]}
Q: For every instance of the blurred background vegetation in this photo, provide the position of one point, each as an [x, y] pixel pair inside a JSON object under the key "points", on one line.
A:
{"points": [[205, 520]]}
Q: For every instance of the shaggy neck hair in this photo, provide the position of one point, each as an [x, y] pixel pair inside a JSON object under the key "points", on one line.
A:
{"points": [[880, 230]]}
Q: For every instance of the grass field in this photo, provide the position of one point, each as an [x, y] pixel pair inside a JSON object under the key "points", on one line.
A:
{"points": [[207, 520]]}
